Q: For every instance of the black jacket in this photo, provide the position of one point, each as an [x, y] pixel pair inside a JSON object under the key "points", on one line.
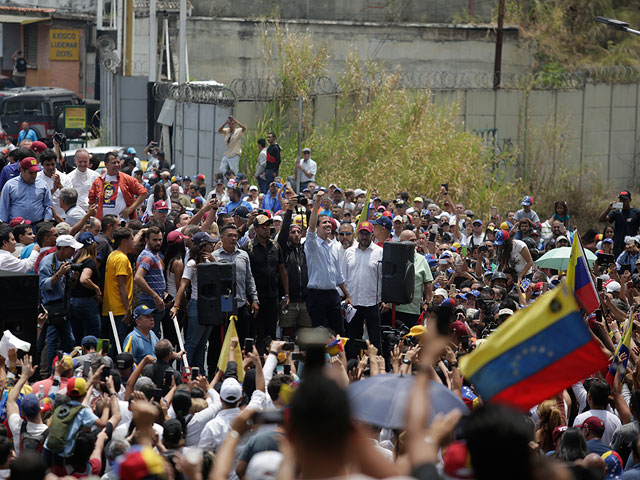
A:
{"points": [[295, 262], [273, 157]]}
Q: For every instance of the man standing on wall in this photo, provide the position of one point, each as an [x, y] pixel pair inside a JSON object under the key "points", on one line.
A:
{"points": [[233, 145]]}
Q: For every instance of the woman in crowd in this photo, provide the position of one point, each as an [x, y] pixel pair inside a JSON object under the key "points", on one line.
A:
{"points": [[86, 295], [159, 193], [513, 254]]}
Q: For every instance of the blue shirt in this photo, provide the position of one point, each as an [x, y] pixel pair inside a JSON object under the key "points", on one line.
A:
{"points": [[140, 346], [632, 474], [48, 266], [30, 201], [231, 206], [271, 203], [323, 263], [29, 134], [626, 258], [154, 275], [84, 418], [10, 171]]}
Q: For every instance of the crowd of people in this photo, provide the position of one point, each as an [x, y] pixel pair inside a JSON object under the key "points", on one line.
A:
{"points": [[127, 381]]}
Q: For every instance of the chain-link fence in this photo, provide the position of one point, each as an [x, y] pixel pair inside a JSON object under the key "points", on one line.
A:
{"points": [[267, 88]]}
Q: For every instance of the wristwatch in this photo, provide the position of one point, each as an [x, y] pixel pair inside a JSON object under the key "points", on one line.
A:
{"points": [[406, 361]]}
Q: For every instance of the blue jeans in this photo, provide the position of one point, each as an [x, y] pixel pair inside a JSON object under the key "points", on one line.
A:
{"points": [[197, 336], [271, 176], [263, 186], [59, 337], [85, 317]]}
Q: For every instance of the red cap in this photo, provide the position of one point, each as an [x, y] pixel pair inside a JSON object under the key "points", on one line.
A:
{"points": [[366, 226], [30, 164], [200, 177], [161, 204], [594, 424], [38, 146], [457, 461], [334, 224], [557, 432], [18, 221], [175, 236], [458, 328]]}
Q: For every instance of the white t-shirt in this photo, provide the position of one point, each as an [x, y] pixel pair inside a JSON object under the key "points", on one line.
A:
{"points": [[15, 424], [82, 182], [66, 183], [517, 260], [191, 273], [112, 205]]}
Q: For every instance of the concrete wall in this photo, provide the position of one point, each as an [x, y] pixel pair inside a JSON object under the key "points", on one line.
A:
{"points": [[599, 124], [86, 6], [433, 11], [223, 49]]}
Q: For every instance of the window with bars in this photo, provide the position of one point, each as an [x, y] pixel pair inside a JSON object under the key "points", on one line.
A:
{"points": [[30, 33]]}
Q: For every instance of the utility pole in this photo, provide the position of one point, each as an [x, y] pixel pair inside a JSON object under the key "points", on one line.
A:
{"points": [[497, 67], [182, 43]]}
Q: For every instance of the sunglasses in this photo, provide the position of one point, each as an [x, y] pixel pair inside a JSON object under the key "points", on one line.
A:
{"points": [[163, 211], [345, 234]]}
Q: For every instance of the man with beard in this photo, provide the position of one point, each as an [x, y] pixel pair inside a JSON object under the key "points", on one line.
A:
{"points": [[345, 237], [363, 276], [149, 276]]}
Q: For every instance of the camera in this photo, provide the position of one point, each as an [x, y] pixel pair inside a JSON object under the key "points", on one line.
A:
{"points": [[302, 200], [59, 137]]}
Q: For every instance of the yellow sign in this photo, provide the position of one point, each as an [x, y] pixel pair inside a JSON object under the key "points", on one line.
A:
{"points": [[64, 44], [75, 117]]}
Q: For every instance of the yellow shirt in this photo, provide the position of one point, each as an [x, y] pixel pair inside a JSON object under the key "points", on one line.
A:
{"points": [[117, 264]]}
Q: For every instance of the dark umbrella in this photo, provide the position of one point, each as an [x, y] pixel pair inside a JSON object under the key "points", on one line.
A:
{"points": [[382, 400]]}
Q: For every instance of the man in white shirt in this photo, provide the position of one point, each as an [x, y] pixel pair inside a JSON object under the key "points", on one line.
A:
{"points": [[215, 431], [82, 177], [261, 166], [306, 168], [363, 276], [233, 141], [598, 398], [68, 201], [10, 263], [53, 178]]}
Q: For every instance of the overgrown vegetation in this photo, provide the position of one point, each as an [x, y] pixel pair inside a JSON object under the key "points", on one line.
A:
{"points": [[395, 139], [567, 36]]}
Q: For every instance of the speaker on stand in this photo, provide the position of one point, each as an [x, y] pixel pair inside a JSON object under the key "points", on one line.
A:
{"points": [[398, 274]]}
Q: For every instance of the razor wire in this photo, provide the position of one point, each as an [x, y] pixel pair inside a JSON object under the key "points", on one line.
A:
{"points": [[214, 94]]}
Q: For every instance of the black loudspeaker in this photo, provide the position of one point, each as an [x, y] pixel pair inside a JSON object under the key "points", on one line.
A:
{"points": [[20, 299], [398, 272], [216, 292]]}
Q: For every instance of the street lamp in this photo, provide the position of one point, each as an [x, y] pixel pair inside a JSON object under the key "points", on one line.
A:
{"points": [[617, 25]]}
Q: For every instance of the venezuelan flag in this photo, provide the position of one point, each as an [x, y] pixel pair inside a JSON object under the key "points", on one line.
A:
{"points": [[536, 353], [623, 348], [579, 278]]}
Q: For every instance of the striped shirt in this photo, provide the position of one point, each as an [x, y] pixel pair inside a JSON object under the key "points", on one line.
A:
{"points": [[154, 277]]}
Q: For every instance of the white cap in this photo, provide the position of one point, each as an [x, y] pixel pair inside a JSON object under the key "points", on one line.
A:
{"points": [[561, 237], [613, 287], [277, 218], [442, 292], [306, 149], [253, 187], [358, 191], [505, 311], [68, 241], [264, 465], [230, 391]]}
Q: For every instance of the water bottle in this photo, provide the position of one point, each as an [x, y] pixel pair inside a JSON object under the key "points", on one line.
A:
{"points": [[41, 395], [283, 306]]}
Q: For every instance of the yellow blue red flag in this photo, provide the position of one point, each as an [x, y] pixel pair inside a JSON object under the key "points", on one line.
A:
{"points": [[579, 278]]}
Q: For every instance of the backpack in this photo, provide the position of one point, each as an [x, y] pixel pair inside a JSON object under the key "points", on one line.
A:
{"points": [[29, 441], [21, 65], [61, 421]]}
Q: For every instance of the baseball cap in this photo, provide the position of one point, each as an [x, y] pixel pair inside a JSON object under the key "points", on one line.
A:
{"points": [[161, 205], [505, 311], [89, 340], [277, 218], [416, 331], [230, 391], [241, 211], [612, 286], [136, 170], [202, 237], [253, 188], [557, 432], [143, 310], [384, 221], [442, 292], [561, 237], [477, 221], [526, 201], [126, 359], [63, 228], [201, 177], [175, 236], [607, 240], [68, 241], [358, 191], [18, 221], [398, 218], [366, 226], [139, 462], [457, 461], [30, 405], [261, 220], [306, 150], [418, 199], [131, 150], [76, 387], [334, 224], [458, 329], [264, 465], [501, 236], [186, 177], [67, 362], [86, 239], [30, 164], [594, 424], [38, 146], [624, 194]]}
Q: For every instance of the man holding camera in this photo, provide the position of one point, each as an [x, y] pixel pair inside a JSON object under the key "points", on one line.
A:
{"points": [[306, 168], [233, 141], [626, 219], [54, 282]]}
